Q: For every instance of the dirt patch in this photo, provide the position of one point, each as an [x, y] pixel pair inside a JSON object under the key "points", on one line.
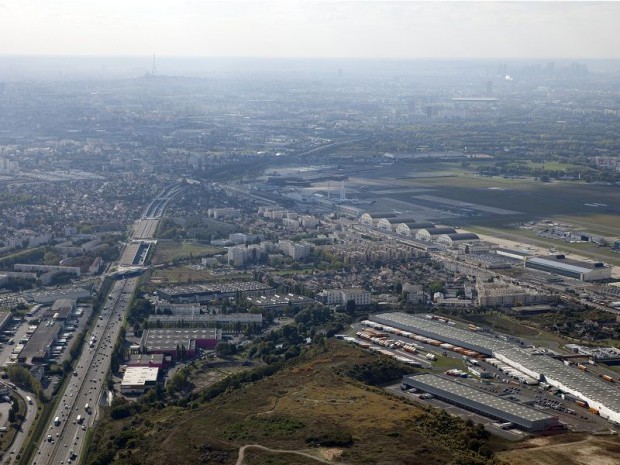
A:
{"points": [[546, 451], [331, 454]]}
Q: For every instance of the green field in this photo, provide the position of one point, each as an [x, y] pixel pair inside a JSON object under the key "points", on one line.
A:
{"points": [[592, 208], [168, 251]]}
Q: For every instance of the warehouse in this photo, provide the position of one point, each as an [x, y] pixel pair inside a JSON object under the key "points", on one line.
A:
{"points": [[443, 332], [280, 303], [229, 322], [535, 364], [495, 407], [453, 240], [181, 342], [146, 360], [370, 220], [37, 349], [431, 234], [215, 291], [61, 310], [411, 227], [560, 265], [137, 380]]}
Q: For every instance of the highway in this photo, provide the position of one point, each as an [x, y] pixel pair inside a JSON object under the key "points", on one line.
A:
{"points": [[63, 441], [86, 385]]}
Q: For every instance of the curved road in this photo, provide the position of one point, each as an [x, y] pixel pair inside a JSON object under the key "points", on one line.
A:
{"points": [[242, 450], [20, 437]]}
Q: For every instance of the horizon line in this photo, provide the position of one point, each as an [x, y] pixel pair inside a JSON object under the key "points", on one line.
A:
{"points": [[249, 57]]}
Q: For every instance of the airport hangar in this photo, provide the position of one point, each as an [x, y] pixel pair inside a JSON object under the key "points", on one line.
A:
{"points": [[560, 265], [598, 394], [495, 407]]}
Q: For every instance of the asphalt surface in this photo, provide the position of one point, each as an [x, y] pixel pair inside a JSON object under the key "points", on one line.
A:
{"points": [[86, 385], [20, 437]]}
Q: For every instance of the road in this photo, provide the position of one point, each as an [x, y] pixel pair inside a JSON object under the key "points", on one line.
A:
{"points": [[20, 437], [86, 385], [64, 440]]}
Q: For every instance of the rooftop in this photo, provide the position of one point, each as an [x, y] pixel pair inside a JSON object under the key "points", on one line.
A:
{"points": [[474, 395]]}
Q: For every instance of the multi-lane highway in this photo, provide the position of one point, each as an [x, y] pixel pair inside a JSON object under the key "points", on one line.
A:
{"points": [[63, 441], [77, 408]]}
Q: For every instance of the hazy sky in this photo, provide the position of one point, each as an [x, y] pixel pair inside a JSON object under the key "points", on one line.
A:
{"points": [[291, 28]]}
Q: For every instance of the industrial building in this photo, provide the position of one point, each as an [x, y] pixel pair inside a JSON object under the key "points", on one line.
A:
{"points": [[278, 302], [535, 364], [215, 291], [432, 234], [499, 294], [179, 341], [5, 317], [454, 239], [371, 220], [37, 349], [514, 254], [137, 380], [410, 228], [61, 310], [228, 322], [560, 265], [342, 296], [146, 360], [495, 407], [49, 296]]}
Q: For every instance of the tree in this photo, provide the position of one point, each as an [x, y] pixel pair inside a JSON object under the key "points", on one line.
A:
{"points": [[350, 307], [13, 411]]}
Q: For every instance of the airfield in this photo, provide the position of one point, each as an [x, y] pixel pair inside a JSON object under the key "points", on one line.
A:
{"points": [[446, 193]]}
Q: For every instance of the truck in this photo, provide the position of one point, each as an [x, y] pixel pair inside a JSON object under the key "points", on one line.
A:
{"points": [[29, 400], [430, 356], [57, 421], [87, 408], [79, 419]]}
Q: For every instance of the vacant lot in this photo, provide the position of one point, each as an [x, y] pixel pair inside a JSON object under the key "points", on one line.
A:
{"points": [[168, 251], [556, 451], [309, 407]]}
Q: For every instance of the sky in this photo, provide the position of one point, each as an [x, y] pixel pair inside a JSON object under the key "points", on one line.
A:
{"points": [[311, 28]]}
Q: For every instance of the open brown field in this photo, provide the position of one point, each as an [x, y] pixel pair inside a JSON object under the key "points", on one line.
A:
{"points": [[309, 407], [565, 450]]}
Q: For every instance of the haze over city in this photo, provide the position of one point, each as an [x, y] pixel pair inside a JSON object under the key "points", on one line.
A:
{"points": [[265, 233], [319, 29]]}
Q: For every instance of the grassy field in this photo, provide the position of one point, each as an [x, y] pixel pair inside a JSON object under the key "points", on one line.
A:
{"points": [[605, 225], [309, 407], [534, 199], [503, 324], [167, 251], [588, 250]]}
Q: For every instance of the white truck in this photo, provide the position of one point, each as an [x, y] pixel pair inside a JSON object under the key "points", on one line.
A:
{"points": [[29, 400], [79, 419], [57, 421], [430, 356]]}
